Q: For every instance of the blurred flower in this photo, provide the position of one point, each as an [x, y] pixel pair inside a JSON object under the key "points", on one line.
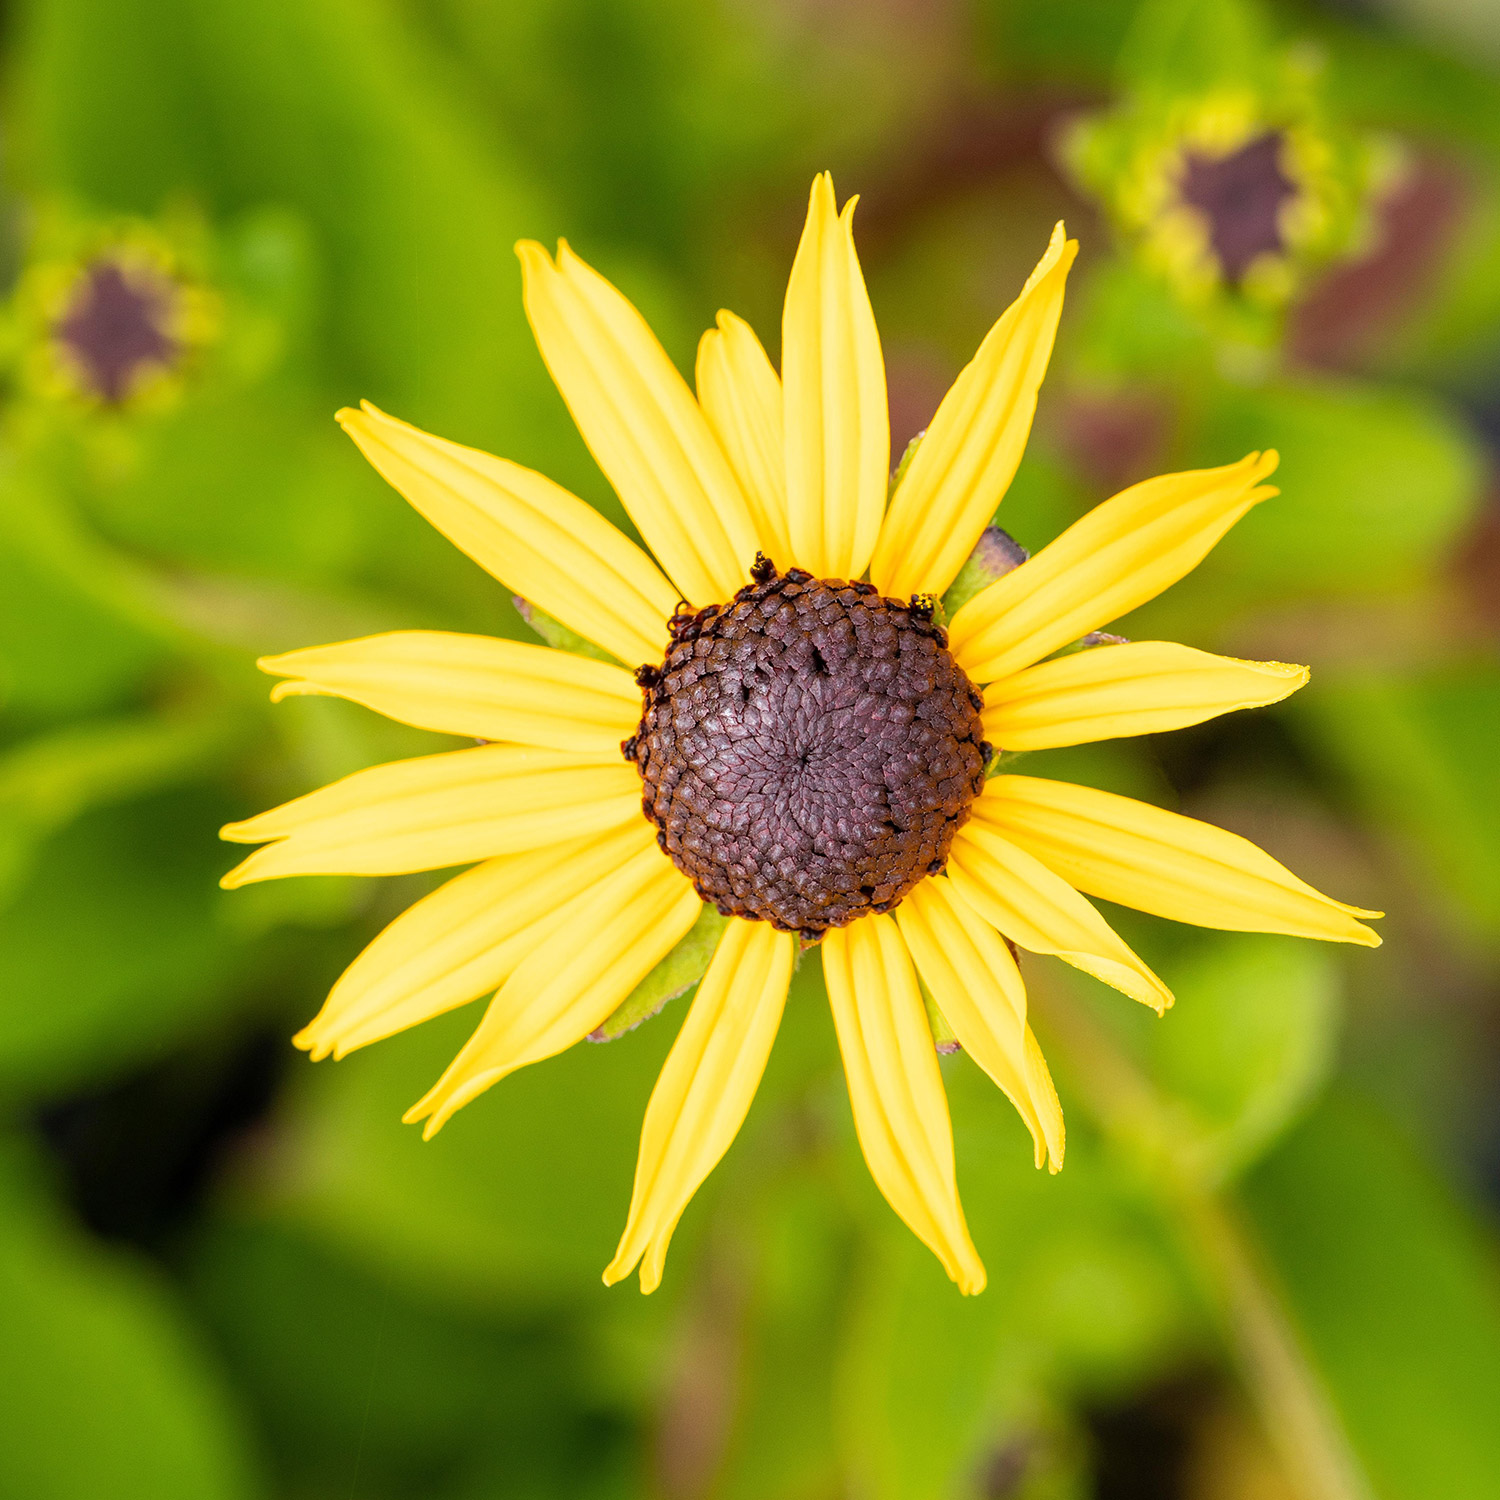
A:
{"points": [[112, 313], [813, 751], [1235, 187]]}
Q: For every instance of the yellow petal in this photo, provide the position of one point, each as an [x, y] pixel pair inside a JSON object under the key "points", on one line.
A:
{"points": [[463, 940], [838, 440], [896, 1090], [641, 423], [535, 537], [1162, 862], [965, 463], [435, 811], [704, 1092], [1041, 912], [965, 964], [740, 394], [472, 685], [1142, 687], [1114, 559], [612, 937]]}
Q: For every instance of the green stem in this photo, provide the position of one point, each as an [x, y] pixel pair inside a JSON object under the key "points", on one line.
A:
{"points": [[1297, 1414]]}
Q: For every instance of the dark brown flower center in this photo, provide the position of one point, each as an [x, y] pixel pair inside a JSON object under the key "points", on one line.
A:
{"points": [[1241, 196], [808, 750], [115, 328]]}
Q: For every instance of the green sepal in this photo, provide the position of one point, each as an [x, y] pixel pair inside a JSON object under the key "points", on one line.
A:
{"points": [[558, 636], [972, 578], [909, 453], [1003, 760], [944, 1038], [995, 554], [680, 970]]}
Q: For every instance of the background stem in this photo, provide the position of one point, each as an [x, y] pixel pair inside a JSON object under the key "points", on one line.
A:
{"points": [[1298, 1416]]}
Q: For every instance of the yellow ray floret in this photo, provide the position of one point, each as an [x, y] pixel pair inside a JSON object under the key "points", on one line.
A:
{"points": [[972, 449], [838, 441], [740, 393], [1142, 687], [704, 1092], [607, 941], [641, 424], [535, 537], [1116, 558], [472, 685], [462, 941], [896, 1090], [1040, 911], [1158, 861], [437, 810], [968, 969]]}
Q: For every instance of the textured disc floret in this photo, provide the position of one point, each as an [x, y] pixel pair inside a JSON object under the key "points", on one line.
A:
{"points": [[808, 750]]}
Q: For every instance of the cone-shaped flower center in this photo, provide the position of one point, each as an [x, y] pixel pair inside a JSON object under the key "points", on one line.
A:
{"points": [[114, 328], [808, 750], [1240, 195]]}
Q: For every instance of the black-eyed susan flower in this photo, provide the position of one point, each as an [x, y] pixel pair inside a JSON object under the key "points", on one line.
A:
{"points": [[808, 746], [1234, 191], [109, 312]]}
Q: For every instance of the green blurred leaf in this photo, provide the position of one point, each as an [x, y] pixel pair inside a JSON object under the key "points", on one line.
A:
{"points": [[364, 1387], [1248, 1043], [1067, 40], [1397, 1294], [1419, 750], [1128, 327], [1084, 1298], [115, 941], [1182, 46], [105, 1391], [518, 1201], [75, 631], [1376, 486], [48, 781]]}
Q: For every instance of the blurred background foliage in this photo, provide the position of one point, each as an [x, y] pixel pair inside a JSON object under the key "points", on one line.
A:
{"points": [[1269, 1269]]}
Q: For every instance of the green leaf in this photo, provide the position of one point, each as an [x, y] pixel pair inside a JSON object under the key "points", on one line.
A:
{"points": [[1084, 1299], [114, 943], [106, 1392], [518, 1201], [678, 972], [1396, 1292], [1074, 40], [1177, 46], [1376, 486], [1248, 1043], [47, 781], [1419, 751], [363, 1386], [75, 631]]}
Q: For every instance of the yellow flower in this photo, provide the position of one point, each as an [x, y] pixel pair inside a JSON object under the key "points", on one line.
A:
{"points": [[813, 751]]}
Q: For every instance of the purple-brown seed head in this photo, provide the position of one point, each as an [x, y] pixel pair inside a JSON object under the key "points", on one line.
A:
{"points": [[808, 750], [115, 328], [1241, 195]]}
